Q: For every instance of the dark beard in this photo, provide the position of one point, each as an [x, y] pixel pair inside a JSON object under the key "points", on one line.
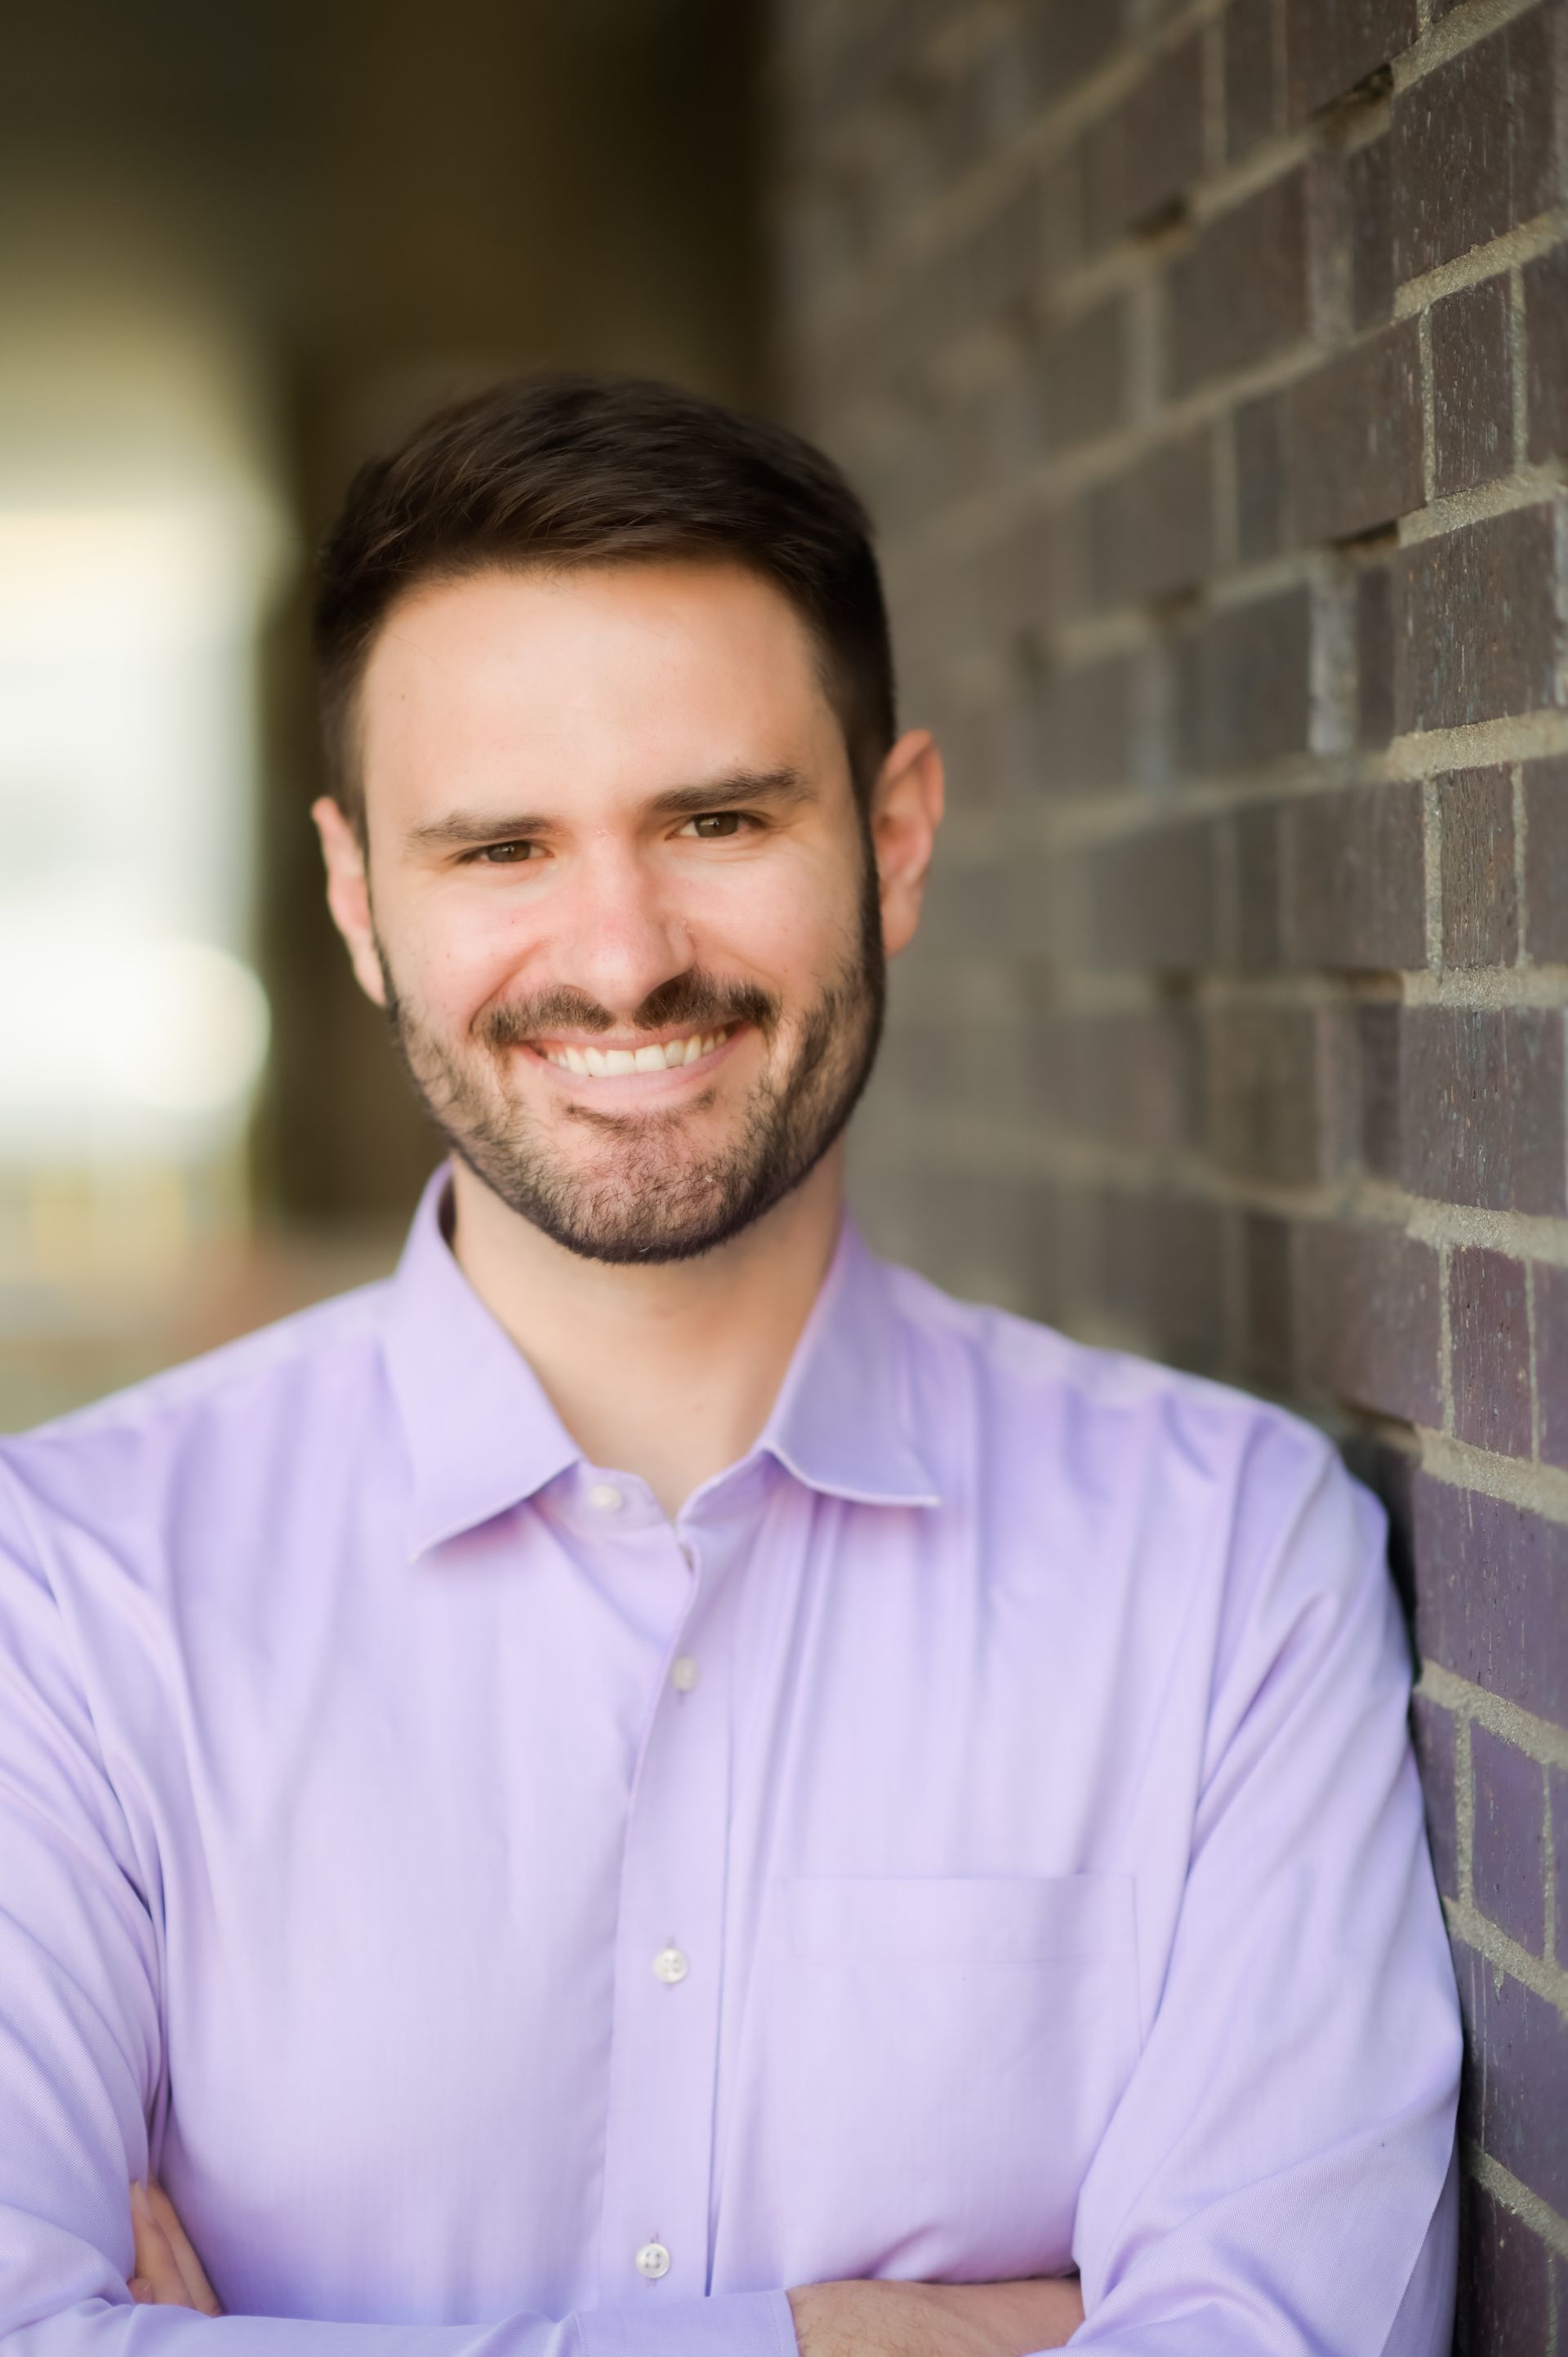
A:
{"points": [[647, 1209]]}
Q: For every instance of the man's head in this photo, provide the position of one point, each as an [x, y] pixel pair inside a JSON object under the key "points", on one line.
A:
{"points": [[609, 710]]}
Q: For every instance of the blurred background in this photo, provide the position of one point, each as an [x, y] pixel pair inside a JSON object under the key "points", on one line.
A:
{"points": [[240, 248]]}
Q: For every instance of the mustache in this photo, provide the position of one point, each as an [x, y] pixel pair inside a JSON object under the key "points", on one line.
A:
{"points": [[693, 997]]}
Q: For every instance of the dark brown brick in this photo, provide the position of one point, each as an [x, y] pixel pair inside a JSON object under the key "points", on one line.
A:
{"points": [[1551, 1364], [1358, 889], [993, 272], [1517, 2065], [980, 1233], [1064, 41], [1241, 292], [1086, 725], [1472, 386], [1255, 854], [1546, 353], [1509, 1851], [1370, 1320], [1557, 1804], [1139, 158], [1270, 1335], [1492, 1595], [1374, 655], [1475, 145], [1433, 1729], [1242, 684], [1163, 1271], [1152, 531], [1481, 1112], [1505, 2298], [1152, 900], [1260, 483], [1082, 377], [1332, 45], [1013, 585], [1476, 630], [1480, 898], [1369, 194], [1252, 83], [1546, 868], [1378, 1041], [1489, 1325], [1125, 1080], [1261, 1067], [1355, 433]]}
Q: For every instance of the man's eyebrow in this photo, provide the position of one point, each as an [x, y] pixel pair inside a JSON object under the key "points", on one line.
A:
{"points": [[473, 826], [780, 787]]}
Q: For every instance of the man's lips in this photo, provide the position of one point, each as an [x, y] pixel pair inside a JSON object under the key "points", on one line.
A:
{"points": [[645, 1057]]}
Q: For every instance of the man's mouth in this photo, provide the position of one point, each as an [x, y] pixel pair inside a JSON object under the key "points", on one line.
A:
{"points": [[614, 1064]]}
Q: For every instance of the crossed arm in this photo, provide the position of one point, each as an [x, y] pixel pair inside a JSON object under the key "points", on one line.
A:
{"points": [[1274, 2174], [833, 2319]]}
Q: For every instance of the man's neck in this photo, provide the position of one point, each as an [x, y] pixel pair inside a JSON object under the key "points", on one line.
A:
{"points": [[668, 1372]]}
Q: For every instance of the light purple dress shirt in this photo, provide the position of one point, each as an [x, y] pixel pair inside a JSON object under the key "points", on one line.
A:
{"points": [[978, 1837]]}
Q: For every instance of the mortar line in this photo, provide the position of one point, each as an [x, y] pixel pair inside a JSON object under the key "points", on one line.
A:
{"points": [[1452, 35], [1508, 2191]]}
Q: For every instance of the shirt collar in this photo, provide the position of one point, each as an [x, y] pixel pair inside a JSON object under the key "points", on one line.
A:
{"points": [[482, 1436], [480, 1430], [842, 1420]]}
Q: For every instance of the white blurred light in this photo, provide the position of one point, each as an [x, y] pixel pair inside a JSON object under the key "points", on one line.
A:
{"points": [[98, 1034], [189, 1032], [139, 544]]}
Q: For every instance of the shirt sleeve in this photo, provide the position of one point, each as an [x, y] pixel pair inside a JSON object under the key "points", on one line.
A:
{"points": [[81, 2065], [1277, 2180]]}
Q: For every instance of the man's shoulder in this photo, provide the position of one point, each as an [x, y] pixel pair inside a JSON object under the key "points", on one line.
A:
{"points": [[321, 1355], [1185, 1482], [1029, 1373]]}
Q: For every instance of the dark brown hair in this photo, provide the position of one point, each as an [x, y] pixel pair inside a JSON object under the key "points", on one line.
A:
{"points": [[569, 470]]}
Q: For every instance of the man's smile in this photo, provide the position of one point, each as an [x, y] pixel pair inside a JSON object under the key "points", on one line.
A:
{"points": [[649, 1064]]}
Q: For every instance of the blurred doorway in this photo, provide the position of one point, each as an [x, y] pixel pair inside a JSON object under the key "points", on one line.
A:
{"points": [[238, 250]]}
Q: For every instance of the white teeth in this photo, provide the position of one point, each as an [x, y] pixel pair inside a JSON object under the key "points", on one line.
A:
{"points": [[605, 1063]]}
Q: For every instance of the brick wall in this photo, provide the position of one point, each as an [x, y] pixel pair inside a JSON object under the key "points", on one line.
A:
{"points": [[1207, 366]]}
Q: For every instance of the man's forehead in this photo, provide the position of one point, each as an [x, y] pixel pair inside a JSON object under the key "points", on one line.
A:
{"points": [[644, 680], [516, 621]]}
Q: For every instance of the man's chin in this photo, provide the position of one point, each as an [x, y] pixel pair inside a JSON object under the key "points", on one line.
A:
{"points": [[629, 1210]]}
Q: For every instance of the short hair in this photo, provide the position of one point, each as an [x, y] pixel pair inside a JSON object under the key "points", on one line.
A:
{"points": [[567, 470]]}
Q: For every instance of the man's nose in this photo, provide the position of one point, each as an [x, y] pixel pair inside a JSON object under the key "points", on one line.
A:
{"points": [[621, 933]]}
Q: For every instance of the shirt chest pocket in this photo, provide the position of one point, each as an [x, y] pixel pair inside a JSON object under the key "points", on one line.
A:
{"points": [[931, 2067]]}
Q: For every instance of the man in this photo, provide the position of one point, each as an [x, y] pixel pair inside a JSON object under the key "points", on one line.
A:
{"points": [[653, 1785]]}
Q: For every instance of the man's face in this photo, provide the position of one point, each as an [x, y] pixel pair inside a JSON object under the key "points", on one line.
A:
{"points": [[620, 902]]}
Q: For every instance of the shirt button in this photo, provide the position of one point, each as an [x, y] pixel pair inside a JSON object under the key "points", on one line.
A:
{"points": [[605, 1498], [653, 2261], [671, 1966], [683, 1674]]}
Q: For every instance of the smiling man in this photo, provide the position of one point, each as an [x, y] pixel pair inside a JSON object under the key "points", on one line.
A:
{"points": [[654, 1786]]}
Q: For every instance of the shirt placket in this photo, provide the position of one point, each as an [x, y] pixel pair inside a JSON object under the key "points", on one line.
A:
{"points": [[669, 1963]]}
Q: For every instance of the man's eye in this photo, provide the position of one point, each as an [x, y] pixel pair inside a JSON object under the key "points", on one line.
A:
{"points": [[505, 854], [713, 825]]}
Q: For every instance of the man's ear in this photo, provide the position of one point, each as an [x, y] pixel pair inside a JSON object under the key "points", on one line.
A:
{"points": [[905, 811], [349, 894]]}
